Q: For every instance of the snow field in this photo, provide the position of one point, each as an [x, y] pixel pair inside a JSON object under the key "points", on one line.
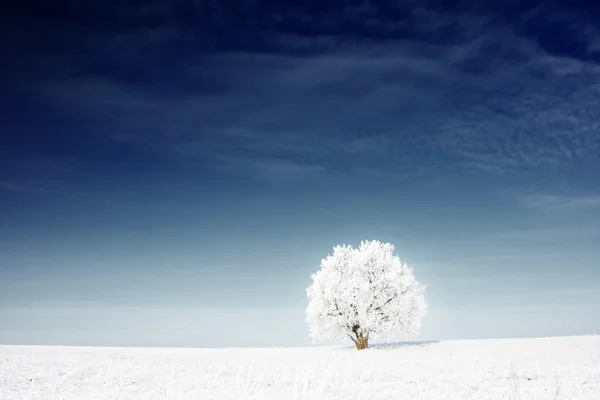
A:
{"points": [[513, 369]]}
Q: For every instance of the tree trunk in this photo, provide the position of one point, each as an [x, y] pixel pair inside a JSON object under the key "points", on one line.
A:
{"points": [[362, 339], [362, 342]]}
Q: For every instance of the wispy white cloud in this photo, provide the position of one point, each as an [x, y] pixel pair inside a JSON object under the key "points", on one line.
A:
{"points": [[272, 169], [493, 101], [557, 202], [37, 174], [30, 186], [565, 217], [556, 234], [10, 186]]}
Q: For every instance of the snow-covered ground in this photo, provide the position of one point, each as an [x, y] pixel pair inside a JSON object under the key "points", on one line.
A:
{"points": [[548, 368]]}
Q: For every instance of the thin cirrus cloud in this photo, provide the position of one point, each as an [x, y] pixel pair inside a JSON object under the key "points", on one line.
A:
{"points": [[553, 234], [490, 99], [564, 202], [527, 135], [562, 217]]}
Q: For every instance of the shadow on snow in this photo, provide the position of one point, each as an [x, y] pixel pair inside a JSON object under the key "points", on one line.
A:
{"points": [[395, 345]]}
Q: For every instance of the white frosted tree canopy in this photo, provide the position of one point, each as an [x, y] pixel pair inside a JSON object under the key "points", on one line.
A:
{"points": [[362, 292]]}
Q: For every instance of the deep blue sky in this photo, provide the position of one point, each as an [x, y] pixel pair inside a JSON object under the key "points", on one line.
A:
{"points": [[172, 172]]}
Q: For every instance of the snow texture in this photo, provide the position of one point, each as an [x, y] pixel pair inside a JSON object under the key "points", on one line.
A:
{"points": [[365, 291], [511, 369]]}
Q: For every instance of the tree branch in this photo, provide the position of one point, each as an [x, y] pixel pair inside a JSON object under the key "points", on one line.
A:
{"points": [[336, 307], [387, 301], [352, 338]]}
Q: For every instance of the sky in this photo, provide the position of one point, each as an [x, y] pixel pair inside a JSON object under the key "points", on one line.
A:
{"points": [[172, 172]]}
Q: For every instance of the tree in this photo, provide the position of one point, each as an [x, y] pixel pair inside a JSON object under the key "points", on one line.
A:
{"points": [[364, 292]]}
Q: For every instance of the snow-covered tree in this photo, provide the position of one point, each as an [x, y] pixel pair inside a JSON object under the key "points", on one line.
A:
{"points": [[362, 292]]}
